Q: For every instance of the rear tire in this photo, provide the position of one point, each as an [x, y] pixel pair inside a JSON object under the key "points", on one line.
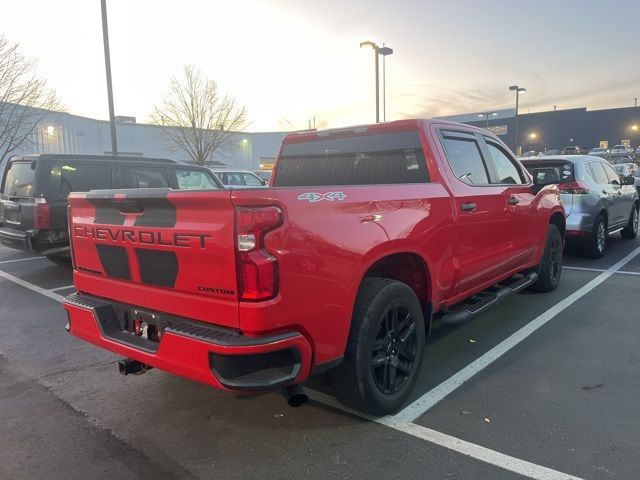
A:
{"points": [[61, 259], [550, 267], [631, 230], [385, 348], [594, 246]]}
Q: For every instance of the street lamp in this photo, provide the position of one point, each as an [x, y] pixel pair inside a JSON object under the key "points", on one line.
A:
{"points": [[486, 117], [517, 89], [533, 136], [384, 51]]}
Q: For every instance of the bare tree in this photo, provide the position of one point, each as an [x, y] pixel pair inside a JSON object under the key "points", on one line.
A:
{"points": [[197, 119], [25, 99]]}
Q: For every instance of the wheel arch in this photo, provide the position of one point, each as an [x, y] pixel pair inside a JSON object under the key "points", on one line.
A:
{"points": [[559, 221]]}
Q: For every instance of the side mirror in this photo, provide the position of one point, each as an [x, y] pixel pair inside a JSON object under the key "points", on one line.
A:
{"points": [[545, 176], [629, 180], [264, 182]]}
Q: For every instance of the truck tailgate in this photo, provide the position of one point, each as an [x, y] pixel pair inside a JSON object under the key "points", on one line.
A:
{"points": [[158, 249]]}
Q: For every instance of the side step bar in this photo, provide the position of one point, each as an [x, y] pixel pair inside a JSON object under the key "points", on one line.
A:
{"points": [[484, 300]]}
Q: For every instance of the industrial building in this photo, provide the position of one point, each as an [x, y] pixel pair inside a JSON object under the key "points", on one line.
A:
{"points": [[67, 133], [557, 129]]}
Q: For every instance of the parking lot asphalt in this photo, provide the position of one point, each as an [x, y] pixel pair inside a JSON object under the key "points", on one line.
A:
{"points": [[563, 399]]}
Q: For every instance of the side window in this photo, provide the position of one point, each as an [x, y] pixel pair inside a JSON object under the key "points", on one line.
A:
{"points": [[598, 173], [67, 177], [612, 175], [465, 159], [251, 179], [508, 172], [194, 180], [145, 177]]}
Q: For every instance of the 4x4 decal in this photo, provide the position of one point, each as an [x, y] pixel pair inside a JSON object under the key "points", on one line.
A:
{"points": [[316, 197]]}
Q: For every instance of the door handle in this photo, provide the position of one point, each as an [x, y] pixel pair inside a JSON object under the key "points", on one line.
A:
{"points": [[619, 192], [513, 201], [468, 207], [605, 192]]}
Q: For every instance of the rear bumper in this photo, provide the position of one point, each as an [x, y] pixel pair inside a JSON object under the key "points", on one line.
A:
{"points": [[28, 241], [18, 239], [579, 223], [224, 359]]}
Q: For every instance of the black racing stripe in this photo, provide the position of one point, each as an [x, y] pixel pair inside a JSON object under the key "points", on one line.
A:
{"points": [[115, 261], [106, 210], [156, 212], [157, 267]]}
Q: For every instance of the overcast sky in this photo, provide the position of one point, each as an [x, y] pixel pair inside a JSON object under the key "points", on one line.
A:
{"points": [[290, 60]]}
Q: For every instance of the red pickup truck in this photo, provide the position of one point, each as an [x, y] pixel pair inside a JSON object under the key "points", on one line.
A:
{"points": [[365, 235]]}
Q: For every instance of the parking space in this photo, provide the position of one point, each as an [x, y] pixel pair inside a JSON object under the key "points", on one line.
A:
{"points": [[558, 401]]}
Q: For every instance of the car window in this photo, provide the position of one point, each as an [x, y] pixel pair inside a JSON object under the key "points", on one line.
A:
{"points": [[612, 175], [597, 173], [67, 177], [566, 169], [18, 181], [233, 178], [465, 159], [144, 177], [194, 180], [364, 159], [250, 179], [508, 172]]}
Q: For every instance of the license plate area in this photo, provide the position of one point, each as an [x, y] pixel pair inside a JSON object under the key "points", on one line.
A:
{"points": [[144, 324], [10, 212]]}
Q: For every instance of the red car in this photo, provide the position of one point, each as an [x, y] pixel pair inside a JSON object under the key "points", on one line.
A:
{"points": [[366, 234]]}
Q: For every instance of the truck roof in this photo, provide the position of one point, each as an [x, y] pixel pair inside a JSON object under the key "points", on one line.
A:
{"points": [[397, 125]]}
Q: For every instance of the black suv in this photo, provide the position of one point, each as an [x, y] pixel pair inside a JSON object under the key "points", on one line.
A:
{"points": [[34, 189]]}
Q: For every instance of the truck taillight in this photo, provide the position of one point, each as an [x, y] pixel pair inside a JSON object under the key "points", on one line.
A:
{"points": [[257, 268], [574, 188], [41, 213]]}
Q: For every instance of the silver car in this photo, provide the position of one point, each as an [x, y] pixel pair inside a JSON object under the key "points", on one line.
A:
{"points": [[597, 201]]}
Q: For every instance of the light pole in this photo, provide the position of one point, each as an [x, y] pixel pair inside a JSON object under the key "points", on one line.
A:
{"points": [[486, 117], [517, 89], [384, 51], [107, 65]]}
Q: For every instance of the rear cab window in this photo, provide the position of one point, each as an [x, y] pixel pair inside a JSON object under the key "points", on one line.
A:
{"points": [[19, 179], [367, 159]]}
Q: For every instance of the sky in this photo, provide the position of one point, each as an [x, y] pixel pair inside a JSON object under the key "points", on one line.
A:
{"points": [[289, 61]]}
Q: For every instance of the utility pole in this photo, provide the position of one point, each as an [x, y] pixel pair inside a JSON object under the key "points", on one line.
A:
{"points": [[107, 64]]}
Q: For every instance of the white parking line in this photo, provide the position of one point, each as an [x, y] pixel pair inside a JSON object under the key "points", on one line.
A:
{"points": [[31, 286], [57, 289], [619, 272], [20, 260], [435, 395], [486, 455]]}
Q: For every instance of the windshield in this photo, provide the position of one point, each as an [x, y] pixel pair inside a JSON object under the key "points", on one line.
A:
{"points": [[18, 181]]}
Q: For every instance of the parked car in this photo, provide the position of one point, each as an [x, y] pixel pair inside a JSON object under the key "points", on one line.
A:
{"points": [[33, 194], [547, 153], [572, 150], [636, 181], [239, 179], [255, 289], [264, 174], [638, 152], [530, 153], [625, 169], [599, 152], [621, 153], [596, 200]]}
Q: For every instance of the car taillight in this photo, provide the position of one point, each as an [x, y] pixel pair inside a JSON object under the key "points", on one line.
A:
{"points": [[41, 213], [574, 188], [257, 268]]}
